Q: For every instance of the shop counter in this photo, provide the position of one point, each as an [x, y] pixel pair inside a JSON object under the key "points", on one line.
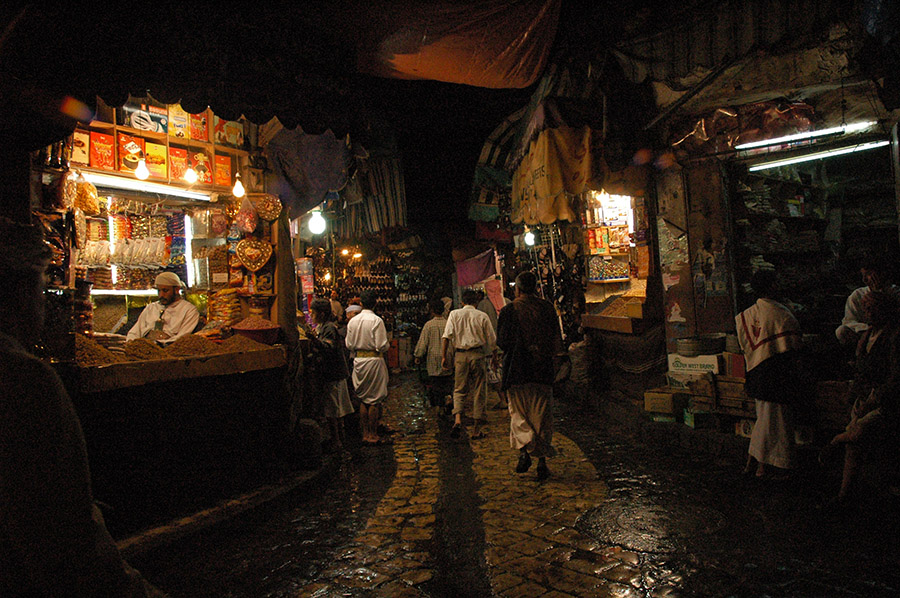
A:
{"points": [[138, 373], [170, 437]]}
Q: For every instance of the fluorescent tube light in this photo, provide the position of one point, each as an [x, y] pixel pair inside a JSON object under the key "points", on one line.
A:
{"points": [[116, 292], [849, 149], [843, 129], [128, 184]]}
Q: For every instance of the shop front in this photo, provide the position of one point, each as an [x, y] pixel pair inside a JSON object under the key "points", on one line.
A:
{"points": [[586, 231], [140, 190], [357, 240]]}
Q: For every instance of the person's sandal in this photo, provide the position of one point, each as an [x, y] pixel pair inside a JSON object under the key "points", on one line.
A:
{"points": [[543, 472]]}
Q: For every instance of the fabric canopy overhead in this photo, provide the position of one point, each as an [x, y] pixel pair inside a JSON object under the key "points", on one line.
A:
{"points": [[564, 158], [305, 64], [565, 77], [495, 44]]}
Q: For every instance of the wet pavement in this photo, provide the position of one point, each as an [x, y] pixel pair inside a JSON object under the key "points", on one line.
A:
{"points": [[429, 516]]}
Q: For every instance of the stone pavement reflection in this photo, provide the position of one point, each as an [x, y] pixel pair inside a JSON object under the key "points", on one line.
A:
{"points": [[532, 546], [429, 516]]}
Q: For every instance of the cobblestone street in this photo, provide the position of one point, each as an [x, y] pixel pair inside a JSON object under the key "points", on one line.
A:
{"points": [[432, 516]]}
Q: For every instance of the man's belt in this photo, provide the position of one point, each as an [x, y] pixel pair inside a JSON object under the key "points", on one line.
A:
{"points": [[368, 354], [478, 348]]}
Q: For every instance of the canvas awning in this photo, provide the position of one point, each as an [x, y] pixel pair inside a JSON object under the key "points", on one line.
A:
{"points": [[563, 158], [496, 44], [300, 63]]}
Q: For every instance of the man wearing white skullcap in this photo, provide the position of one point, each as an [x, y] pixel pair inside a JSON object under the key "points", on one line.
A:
{"points": [[171, 317]]}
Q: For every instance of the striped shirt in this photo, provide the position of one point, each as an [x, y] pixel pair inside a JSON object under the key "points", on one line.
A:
{"points": [[430, 344]]}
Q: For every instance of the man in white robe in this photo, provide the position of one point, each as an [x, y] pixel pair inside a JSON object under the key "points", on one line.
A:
{"points": [[367, 340], [770, 338], [168, 319]]}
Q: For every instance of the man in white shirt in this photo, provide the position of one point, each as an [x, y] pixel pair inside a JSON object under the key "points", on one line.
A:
{"points": [[171, 317], [367, 339], [472, 336]]}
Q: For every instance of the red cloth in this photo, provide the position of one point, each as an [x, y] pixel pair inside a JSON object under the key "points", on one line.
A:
{"points": [[476, 269], [493, 290]]}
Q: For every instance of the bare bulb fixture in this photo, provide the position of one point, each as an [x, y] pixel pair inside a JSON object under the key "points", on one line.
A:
{"points": [[317, 223], [190, 175], [238, 189], [142, 172]]}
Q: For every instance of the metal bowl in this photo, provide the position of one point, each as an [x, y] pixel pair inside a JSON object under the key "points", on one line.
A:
{"points": [[703, 344]]}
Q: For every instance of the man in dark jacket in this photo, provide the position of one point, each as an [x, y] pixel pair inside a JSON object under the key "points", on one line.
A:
{"points": [[528, 333]]}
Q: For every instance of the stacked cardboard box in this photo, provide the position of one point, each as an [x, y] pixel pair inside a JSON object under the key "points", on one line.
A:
{"points": [[714, 384], [664, 404]]}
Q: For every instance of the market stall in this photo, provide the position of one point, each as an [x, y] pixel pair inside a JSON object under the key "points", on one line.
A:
{"points": [[141, 190], [779, 194]]}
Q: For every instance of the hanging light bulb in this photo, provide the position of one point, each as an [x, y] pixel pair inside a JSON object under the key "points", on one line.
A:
{"points": [[238, 189], [142, 172], [190, 175], [317, 223], [529, 238]]}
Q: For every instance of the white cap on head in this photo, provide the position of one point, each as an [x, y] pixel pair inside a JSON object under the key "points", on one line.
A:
{"points": [[353, 308], [168, 279]]}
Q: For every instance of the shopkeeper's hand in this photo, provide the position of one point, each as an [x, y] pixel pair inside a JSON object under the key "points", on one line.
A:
{"points": [[157, 335]]}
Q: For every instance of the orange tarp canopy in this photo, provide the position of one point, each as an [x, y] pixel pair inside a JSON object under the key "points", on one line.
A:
{"points": [[494, 44]]}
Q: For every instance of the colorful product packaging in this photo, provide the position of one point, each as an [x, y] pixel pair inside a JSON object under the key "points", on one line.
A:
{"points": [[156, 160], [199, 126], [223, 170], [203, 165], [145, 114], [179, 122], [131, 149], [81, 148], [178, 161], [103, 151]]}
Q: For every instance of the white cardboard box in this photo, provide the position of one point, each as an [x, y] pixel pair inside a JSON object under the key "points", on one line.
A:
{"points": [[694, 365]]}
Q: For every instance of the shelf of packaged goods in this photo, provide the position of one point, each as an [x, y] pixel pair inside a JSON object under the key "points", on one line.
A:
{"points": [[168, 140]]}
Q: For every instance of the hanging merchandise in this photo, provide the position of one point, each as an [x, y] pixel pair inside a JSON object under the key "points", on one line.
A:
{"points": [[86, 198], [247, 218], [253, 253], [268, 207]]}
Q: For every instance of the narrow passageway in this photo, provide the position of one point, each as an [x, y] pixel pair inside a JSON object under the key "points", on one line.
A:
{"points": [[431, 516]]}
